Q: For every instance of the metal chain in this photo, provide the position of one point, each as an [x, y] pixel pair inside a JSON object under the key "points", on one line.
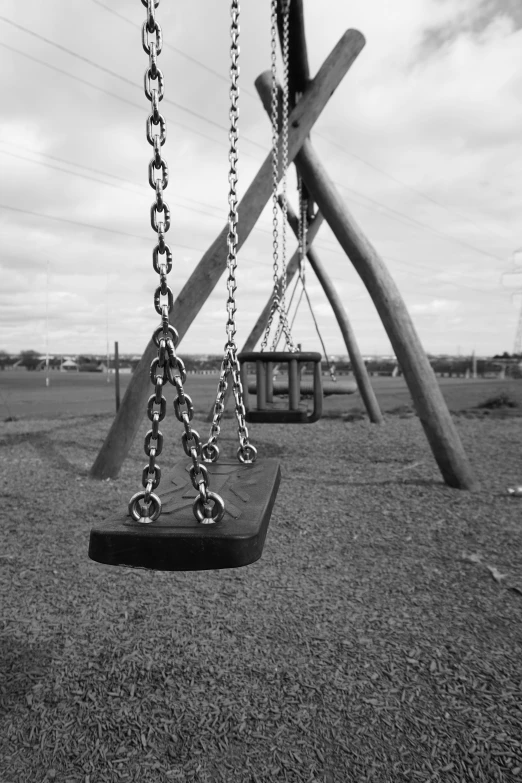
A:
{"points": [[277, 305], [246, 452], [302, 231], [145, 506]]}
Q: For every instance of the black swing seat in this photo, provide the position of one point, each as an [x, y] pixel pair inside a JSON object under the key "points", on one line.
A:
{"points": [[264, 362], [177, 541], [281, 387]]}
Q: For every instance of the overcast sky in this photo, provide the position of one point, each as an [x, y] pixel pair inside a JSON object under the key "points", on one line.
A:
{"points": [[423, 139]]}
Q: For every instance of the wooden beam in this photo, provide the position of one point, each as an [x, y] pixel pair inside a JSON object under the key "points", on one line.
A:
{"points": [[206, 275], [358, 366], [260, 324], [428, 400], [298, 68]]}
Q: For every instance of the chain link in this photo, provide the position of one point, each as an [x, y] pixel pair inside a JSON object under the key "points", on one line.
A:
{"points": [[230, 364], [279, 291], [145, 506]]}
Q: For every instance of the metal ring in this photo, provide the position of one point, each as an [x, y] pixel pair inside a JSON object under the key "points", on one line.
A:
{"points": [[145, 39], [163, 407], [135, 510], [185, 442], [161, 88], [159, 331], [145, 476], [157, 300], [244, 458], [162, 135], [153, 366], [189, 411], [154, 218], [158, 447], [199, 510], [210, 452], [164, 170], [192, 474], [172, 366]]}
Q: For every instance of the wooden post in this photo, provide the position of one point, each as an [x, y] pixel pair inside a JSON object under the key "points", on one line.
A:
{"points": [[117, 376], [428, 400], [207, 273], [358, 365], [260, 324]]}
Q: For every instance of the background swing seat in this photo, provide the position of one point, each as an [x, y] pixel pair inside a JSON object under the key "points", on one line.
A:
{"points": [[177, 541], [264, 387], [280, 387]]}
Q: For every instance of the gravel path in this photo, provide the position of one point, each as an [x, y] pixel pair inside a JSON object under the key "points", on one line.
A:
{"points": [[379, 638]]}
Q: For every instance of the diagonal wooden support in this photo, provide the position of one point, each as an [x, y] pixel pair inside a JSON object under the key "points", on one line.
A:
{"points": [[206, 275], [428, 400], [358, 365], [260, 324]]}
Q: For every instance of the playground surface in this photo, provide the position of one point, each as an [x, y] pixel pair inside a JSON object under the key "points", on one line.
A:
{"points": [[379, 638]]}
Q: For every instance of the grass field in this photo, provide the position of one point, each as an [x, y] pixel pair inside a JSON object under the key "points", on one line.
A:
{"points": [[379, 637], [24, 394]]}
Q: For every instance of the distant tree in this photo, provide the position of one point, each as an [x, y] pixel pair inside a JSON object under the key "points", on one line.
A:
{"points": [[4, 359], [29, 359]]}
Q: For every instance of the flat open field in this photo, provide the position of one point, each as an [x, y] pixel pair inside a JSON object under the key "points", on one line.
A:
{"points": [[379, 637], [24, 394]]}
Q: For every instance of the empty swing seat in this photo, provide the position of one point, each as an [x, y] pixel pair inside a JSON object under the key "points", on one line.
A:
{"points": [[177, 541], [281, 387], [265, 387]]}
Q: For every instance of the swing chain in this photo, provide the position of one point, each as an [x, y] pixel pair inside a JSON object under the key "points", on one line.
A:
{"points": [[167, 366], [230, 363], [279, 291]]}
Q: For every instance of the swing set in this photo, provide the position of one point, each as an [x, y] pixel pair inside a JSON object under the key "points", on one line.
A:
{"points": [[215, 513]]}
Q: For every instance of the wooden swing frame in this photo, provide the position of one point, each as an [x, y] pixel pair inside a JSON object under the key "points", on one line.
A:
{"points": [[427, 397]]}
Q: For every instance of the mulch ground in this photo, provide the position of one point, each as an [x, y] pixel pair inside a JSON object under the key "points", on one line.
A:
{"points": [[379, 638]]}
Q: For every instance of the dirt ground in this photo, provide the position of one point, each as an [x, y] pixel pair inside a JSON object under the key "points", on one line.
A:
{"points": [[379, 638]]}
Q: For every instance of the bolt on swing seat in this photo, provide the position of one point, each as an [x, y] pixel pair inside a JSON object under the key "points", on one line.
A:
{"points": [[264, 361], [177, 541]]}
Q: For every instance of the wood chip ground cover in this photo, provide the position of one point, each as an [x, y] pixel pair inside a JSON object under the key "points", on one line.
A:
{"points": [[379, 638]]}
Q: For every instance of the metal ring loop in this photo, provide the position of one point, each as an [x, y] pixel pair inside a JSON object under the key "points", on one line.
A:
{"points": [[159, 445], [189, 411], [154, 218], [145, 36], [153, 366], [194, 438], [199, 509], [163, 407], [160, 88], [210, 452], [158, 333], [157, 300], [147, 472], [164, 179], [136, 511], [192, 474], [243, 454], [162, 135]]}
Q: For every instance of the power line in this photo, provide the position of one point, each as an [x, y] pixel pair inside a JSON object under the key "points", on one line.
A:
{"points": [[403, 184], [207, 68], [400, 264], [316, 133], [121, 78], [418, 223], [109, 184], [380, 205], [96, 228], [118, 97]]}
